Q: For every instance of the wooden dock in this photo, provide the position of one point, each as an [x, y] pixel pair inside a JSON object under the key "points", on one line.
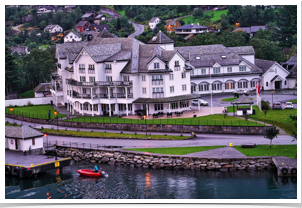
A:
{"points": [[20, 165], [285, 166]]}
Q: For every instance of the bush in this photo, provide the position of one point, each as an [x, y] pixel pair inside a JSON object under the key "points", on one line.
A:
{"points": [[181, 135], [10, 105], [78, 129], [42, 127], [29, 103], [121, 132]]}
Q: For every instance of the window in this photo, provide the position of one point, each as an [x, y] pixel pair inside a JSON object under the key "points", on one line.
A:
{"points": [[84, 90], [171, 76], [95, 107], [216, 70], [203, 71], [242, 68], [229, 69], [143, 78], [171, 88], [176, 63], [184, 104], [109, 78], [82, 68], [91, 79], [183, 75], [125, 78], [93, 91], [156, 65], [193, 88], [157, 79], [242, 84], [121, 107], [91, 69], [267, 84], [204, 87], [184, 87], [158, 107], [85, 106], [216, 86], [174, 105], [230, 85], [192, 72], [107, 66], [82, 79], [129, 107], [33, 141], [144, 90], [285, 82]]}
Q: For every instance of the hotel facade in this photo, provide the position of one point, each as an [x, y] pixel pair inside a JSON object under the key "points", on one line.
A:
{"points": [[122, 76]]}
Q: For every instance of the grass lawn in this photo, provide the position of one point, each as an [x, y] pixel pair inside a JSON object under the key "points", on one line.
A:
{"points": [[216, 16], [266, 150], [10, 124], [107, 15], [122, 12], [279, 118], [232, 99], [176, 150], [36, 111], [293, 101], [217, 119], [43, 46], [110, 135]]}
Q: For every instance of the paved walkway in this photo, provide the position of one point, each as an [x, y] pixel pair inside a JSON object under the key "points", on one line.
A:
{"points": [[223, 152]]}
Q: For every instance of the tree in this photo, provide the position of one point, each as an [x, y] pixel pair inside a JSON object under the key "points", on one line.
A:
{"points": [[265, 106], [11, 72], [118, 24], [234, 13], [42, 24], [198, 13], [271, 133], [294, 132], [34, 14], [224, 24], [155, 30]]}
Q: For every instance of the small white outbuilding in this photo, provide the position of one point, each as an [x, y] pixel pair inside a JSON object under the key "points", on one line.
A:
{"points": [[21, 138]]}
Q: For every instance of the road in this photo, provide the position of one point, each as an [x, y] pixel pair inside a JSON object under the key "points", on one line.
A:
{"points": [[139, 29], [201, 140]]}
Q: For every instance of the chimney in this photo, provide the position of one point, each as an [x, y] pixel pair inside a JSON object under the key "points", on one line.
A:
{"points": [[197, 23], [192, 24]]}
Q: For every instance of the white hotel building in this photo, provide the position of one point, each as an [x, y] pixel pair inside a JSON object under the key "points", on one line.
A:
{"points": [[112, 76]]}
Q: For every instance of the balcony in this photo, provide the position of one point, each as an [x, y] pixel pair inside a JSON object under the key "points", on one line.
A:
{"points": [[101, 95], [176, 68], [99, 83], [58, 88], [56, 76], [157, 81], [157, 94]]}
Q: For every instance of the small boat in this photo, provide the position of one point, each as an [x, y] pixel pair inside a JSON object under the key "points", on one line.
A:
{"points": [[91, 173]]}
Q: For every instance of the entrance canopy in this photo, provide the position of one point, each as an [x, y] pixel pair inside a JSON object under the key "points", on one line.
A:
{"points": [[167, 99]]}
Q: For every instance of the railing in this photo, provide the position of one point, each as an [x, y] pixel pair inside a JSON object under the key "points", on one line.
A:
{"points": [[157, 94], [99, 83], [157, 81], [102, 95], [176, 68], [58, 88], [91, 71], [81, 71]]}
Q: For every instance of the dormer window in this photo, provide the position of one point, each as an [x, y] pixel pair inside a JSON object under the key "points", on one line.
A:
{"points": [[216, 70], [156, 65], [242, 68], [176, 63], [108, 66]]}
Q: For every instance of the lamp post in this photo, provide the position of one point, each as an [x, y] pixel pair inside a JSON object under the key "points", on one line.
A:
{"points": [[57, 120], [46, 140], [11, 110], [145, 117]]}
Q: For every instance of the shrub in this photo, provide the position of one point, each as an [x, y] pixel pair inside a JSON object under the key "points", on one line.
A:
{"points": [[29, 103], [78, 129], [91, 130], [10, 105], [181, 135], [165, 135], [42, 127], [66, 129], [121, 132], [135, 133]]}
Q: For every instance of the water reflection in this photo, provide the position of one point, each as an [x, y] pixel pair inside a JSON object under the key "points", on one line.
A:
{"points": [[133, 183]]}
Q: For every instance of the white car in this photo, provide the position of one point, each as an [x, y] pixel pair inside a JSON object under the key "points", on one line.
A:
{"points": [[289, 105], [202, 102], [241, 92]]}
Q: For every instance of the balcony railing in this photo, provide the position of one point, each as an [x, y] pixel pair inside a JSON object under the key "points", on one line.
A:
{"points": [[157, 94], [157, 81], [58, 88], [99, 83], [102, 95]]}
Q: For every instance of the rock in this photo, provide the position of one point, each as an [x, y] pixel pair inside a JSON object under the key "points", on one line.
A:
{"points": [[192, 167], [162, 165], [224, 163], [237, 166], [217, 166], [139, 161], [241, 168], [191, 163], [92, 161], [232, 169], [252, 162], [132, 165], [147, 160], [197, 162], [139, 165], [111, 162], [236, 162], [229, 166], [187, 167], [105, 159], [216, 163], [210, 167], [137, 157], [223, 169], [145, 166], [112, 158], [203, 165], [167, 161]]}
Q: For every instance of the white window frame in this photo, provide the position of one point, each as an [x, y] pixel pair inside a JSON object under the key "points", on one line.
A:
{"points": [[184, 87], [144, 90], [171, 89], [143, 77], [171, 76]]}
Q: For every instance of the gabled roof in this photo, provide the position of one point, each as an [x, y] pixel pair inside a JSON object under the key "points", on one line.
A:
{"points": [[160, 38], [251, 29], [70, 50], [264, 64], [171, 22], [190, 26], [242, 100], [43, 87], [75, 33], [99, 27], [81, 23], [50, 27], [153, 19], [101, 52], [22, 132], [243, 50], [105, 33]]}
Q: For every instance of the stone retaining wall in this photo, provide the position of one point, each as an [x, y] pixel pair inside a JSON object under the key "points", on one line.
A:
{"points": [[140, 160]]}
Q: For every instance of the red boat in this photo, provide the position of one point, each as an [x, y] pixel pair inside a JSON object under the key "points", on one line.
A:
{"points": [[91, 173]]}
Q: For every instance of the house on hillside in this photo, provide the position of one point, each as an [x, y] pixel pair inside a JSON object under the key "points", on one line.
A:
{"points": [[53, 28], [251, 30], [190, 29], [98, 28], [82, 26], [93, 17], [172, 25], [21, 50], [47, 9], [71, 36], [153, 22], [56, 36]]}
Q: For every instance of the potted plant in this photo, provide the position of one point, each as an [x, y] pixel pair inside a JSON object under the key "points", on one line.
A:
{"points": [[25, 152]]}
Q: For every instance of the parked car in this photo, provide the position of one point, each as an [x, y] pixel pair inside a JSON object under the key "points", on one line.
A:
{"points": [[277, 105], [202, 102], [289, 105], [241, 92]]}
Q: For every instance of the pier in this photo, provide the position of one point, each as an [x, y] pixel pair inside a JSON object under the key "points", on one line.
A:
{"points": [[285, 166], [20, 165]]}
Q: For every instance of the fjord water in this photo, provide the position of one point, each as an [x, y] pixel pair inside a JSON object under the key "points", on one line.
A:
{"points": [[134, 183]]}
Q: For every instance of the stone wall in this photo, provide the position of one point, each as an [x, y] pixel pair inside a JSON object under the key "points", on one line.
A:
{"points": [[155, 161]]}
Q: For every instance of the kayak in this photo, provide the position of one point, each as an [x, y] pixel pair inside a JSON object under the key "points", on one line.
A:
{"points": [[91, 173]]}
